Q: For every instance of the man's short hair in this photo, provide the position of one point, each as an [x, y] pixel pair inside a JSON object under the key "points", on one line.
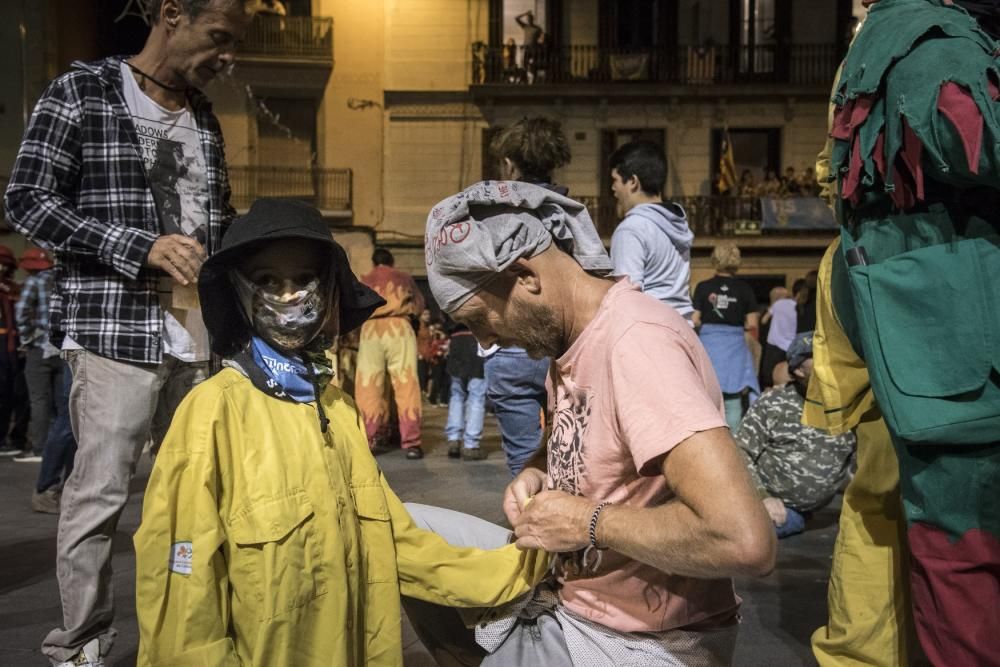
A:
{"points": [[382, 257], [645, 161], [537, 146], [190, 7]]}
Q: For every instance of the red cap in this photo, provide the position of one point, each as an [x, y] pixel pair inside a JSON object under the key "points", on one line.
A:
{"points": [[35, 259]]}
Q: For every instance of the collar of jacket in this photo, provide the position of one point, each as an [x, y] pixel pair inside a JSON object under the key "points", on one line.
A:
{"points": [[109, 72]]}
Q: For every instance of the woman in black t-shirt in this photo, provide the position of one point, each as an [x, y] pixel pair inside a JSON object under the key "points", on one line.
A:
{"points": [[725, 308]]}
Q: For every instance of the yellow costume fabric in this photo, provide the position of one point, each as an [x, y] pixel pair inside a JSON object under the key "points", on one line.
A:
{"points": [[267, 542], [868, 598]]}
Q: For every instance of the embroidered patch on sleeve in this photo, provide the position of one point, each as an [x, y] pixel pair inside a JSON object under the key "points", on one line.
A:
{"points": [[181, 557]]}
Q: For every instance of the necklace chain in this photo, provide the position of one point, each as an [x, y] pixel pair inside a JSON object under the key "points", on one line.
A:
{"points": [[157, 82]]}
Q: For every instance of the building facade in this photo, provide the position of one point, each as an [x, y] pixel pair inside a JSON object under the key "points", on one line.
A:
{"points": [[374, 111]]}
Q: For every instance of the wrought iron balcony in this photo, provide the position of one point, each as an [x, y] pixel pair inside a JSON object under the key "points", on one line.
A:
{"points": [[715, 215], [799, 64], [326, 189], [293, 37]]}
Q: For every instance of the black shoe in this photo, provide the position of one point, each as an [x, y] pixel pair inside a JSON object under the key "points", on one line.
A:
{"points": [[414, 453], [473, 453], [454, 450]]}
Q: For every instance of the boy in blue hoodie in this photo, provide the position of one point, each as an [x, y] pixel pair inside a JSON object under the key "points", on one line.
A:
{"points": [[652, 245]]}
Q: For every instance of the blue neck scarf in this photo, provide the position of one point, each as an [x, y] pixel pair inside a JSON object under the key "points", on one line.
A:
{"points": [[286, 376]]}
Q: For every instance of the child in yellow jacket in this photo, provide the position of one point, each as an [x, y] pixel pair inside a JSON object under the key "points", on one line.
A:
{"points": [[269, 536]]}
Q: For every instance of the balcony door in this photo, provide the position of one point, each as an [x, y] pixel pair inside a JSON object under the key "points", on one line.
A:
{"points": [[286, 149], [757, 150], [637, 38], [298, 7], [761, 33]]}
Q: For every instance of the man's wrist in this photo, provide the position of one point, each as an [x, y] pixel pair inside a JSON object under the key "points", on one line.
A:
{"points": [[597, 520]]}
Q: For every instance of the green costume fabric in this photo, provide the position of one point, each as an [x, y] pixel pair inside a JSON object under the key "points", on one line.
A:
{"points": [[916, 123], [916, 158], [929, 255]]}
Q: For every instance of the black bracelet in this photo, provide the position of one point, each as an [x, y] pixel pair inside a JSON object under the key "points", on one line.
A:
{"points": [[593, 524], [587, 566]]}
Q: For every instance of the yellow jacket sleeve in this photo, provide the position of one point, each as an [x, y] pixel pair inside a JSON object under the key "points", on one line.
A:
{"points": [[182, 585], [432, 570]]}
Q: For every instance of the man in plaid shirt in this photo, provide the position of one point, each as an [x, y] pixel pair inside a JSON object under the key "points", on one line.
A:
{"points": [[122, 176]]}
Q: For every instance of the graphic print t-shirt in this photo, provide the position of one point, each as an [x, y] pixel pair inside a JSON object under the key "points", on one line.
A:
{"points": [[175, 169], [724, 300], [634, 385]]}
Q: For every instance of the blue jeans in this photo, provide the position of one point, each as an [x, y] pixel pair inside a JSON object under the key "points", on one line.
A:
{"points": [[734, 410], [516, 386], [60, 445], [466, 411]]}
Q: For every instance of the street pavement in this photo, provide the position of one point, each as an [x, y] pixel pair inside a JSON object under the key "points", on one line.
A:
{"points": [[779, 612]]}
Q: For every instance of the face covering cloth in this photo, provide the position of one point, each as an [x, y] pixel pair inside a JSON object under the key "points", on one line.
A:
{"points": [[289, 322]]}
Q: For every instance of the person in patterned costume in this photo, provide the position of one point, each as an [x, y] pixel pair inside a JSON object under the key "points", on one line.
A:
{"points": [[388, 343], [916, 161], [796, 469]]}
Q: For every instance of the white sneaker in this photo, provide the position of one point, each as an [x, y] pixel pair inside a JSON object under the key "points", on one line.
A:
{"points": [[89, 656]]}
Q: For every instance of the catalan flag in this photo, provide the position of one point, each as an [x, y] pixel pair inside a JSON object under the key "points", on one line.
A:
{"points": [[727, 165]]}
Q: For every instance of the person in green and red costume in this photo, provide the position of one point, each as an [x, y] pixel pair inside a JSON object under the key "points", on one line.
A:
{"points": [[916, 160]]}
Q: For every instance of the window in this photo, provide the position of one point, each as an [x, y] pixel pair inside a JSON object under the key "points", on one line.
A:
{"points": [[286, 131], [298, 7], [635, 24], [756, 150], [757, 36]]}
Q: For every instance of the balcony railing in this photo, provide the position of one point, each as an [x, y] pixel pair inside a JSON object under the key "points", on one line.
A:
{"points": [[305, 37], [326, 189], [799, 64], [715, 215]]}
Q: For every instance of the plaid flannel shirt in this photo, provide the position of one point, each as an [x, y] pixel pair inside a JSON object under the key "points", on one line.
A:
{"points": [[79, 190], [32, 310]]}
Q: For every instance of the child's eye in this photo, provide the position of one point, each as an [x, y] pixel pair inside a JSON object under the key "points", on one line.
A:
{"points": [[265, 280]]}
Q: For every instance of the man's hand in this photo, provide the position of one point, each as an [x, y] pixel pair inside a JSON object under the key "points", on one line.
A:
{"points": [[555, 522], [529, 482], [776, 510], [180, 256]]}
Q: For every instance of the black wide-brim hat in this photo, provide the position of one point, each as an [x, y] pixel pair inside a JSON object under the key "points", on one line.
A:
{"points": [[273, 220]]}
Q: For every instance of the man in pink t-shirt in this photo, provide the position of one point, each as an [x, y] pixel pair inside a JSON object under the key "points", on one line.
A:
{"points": [[640, 494]]}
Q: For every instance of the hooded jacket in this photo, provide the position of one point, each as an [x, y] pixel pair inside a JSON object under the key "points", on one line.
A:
{"points": [[652, 248]]}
